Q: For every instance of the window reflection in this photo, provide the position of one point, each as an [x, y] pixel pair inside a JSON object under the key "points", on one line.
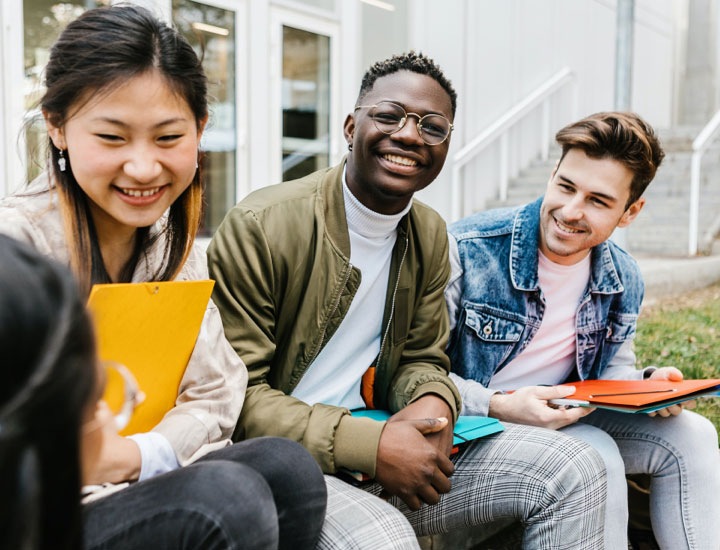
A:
{"points": [[44, 20], [305, 102], [211, 31]]}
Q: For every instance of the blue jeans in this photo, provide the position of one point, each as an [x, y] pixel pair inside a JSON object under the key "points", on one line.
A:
{"points": [[681, 455], [258, 494]]}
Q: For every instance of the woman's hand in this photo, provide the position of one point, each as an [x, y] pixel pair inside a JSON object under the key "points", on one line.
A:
{"points": [[106, 456]]}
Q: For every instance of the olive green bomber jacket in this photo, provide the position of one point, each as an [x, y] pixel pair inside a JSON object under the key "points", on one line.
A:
{"points": [[284, 283]]}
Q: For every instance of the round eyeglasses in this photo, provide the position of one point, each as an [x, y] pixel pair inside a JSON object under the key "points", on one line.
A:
{"points": [[390, 117], [121, 393], [121, 396]]}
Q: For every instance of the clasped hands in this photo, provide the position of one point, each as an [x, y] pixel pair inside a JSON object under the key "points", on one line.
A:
{"points": [[413, 455]]}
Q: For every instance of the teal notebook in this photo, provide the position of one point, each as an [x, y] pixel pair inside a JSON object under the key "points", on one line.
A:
{"points": [[466, 428]]}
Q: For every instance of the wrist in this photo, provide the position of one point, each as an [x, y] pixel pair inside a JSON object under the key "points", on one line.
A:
{"points": [[647, 372], [433, 406], [495, 404], [128, 461]]}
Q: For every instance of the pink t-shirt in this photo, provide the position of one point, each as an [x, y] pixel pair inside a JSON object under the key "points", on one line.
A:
{"points": [[550, 356]]}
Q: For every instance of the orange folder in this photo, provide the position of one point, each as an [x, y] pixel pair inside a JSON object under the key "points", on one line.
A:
{"points": [[638, 395], [151, 328]]}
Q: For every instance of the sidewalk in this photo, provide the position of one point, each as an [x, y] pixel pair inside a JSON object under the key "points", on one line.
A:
{"points": [[671, 276]]}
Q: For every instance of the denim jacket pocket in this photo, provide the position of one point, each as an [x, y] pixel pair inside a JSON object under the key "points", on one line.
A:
{"points": [[492, 326], [620, 327]]}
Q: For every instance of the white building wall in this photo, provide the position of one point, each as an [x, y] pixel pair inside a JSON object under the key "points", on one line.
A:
{"points": [[495, 52], [656, 43], [498, 51]]}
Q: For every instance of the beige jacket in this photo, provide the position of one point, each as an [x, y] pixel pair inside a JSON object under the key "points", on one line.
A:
{"points": [[212, 390]]}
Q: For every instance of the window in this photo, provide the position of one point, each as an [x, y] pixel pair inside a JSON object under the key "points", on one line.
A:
{"points": [[305, 102], [211, 31], [44, 20]]}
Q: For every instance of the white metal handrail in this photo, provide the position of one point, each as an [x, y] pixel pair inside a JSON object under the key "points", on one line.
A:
{"points": [[499, 130], [699, 146]]}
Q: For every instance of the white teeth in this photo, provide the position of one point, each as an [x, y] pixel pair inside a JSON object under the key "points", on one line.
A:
{"points": [[567, 228], [139, 193], [400, 160]]}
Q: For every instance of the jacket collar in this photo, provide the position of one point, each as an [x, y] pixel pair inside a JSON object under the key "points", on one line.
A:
{"points": [[334, 210], [604, 278]]}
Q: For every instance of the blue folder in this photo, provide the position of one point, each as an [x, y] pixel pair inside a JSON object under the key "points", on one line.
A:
{"points": [[466, 428]]}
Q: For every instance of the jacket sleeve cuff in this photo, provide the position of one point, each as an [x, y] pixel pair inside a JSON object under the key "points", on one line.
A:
{"points": [[626, 373], [156, 454], [475, 396], [356, 444], [187, 432], [441, 390]]}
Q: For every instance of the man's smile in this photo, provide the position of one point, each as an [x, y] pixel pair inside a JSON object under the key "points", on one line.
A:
{"points": [[397, 159], [567, 228]]}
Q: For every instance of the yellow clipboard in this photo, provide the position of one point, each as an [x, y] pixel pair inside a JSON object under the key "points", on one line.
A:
{"points": [[151, 328]]}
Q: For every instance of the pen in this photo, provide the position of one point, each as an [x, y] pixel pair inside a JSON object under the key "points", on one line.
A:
{"points": [[631, 393]]}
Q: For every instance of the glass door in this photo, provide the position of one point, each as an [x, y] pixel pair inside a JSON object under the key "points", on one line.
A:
{"points": [[304, 118], [212, 31], [305, 102], [44, 20]]}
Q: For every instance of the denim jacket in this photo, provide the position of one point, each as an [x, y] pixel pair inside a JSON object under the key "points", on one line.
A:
{"points": [[496, 305]]}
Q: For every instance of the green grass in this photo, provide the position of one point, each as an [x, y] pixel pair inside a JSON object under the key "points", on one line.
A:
{"points": [[684, 332]]}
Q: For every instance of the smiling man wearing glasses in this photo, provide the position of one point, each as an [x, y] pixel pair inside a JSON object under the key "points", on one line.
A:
{"points": [[331, 288], [390, 117]]}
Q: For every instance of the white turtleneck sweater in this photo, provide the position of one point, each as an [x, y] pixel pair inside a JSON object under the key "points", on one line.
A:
{"points": [[335, 375]]}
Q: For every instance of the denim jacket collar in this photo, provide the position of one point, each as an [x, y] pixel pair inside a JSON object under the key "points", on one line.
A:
{"points": [[604, 278]]}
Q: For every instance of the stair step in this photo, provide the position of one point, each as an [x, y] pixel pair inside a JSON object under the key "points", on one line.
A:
{"points": [[662, 227]]}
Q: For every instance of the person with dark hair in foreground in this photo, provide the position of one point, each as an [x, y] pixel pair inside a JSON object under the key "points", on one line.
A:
{"points": [[50, 386], [338, 277]]}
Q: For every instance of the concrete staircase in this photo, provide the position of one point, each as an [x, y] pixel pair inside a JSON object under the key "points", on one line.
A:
{"points": [[661, 229]]}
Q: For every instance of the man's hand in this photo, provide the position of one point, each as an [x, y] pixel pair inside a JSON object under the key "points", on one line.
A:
{"points": [[411, 467], [530, 406], [431, 406], [670, 373]]}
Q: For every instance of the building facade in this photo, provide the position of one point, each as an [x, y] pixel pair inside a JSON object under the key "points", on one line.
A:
{"points": [[285, 73]]}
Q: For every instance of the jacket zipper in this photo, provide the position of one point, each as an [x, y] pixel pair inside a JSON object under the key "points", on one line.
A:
{"points": [[392, 307]]}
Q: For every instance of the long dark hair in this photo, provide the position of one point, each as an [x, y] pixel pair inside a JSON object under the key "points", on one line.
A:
{"points": [[48, 369], [101, 49]]}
